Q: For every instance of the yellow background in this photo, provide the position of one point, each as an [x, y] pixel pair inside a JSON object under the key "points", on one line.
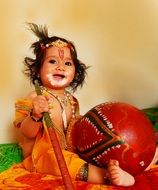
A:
{"points": [[117, 38]]}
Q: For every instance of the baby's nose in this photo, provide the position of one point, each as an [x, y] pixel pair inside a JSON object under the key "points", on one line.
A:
{"points": [[60, 67]]}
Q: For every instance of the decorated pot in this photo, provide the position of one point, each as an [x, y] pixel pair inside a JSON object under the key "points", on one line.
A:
{"points": [[115, 131]]}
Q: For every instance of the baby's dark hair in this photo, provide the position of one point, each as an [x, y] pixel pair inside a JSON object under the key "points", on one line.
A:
{"points": [[33, 66]]}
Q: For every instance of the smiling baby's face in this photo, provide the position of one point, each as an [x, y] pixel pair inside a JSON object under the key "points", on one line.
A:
{"points": [[58, 70]]}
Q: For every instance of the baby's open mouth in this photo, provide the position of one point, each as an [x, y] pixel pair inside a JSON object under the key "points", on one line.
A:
{"points": [[60, 76]]}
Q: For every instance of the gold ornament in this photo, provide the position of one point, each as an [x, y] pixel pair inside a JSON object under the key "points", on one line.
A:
{"points": [[58, 43]]}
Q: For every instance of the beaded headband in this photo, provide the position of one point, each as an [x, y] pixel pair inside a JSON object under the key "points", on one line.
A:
{"points": [[58, 43]]}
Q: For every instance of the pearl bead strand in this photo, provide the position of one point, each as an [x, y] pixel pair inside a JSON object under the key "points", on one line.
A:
{"points": [[63, 102]]}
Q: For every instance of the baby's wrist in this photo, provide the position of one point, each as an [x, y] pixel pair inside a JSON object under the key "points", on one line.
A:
{"points": [[36, 117]]}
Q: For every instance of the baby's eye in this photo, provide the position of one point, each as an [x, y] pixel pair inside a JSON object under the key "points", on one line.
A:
{"points": [[52, 61], [68, 63]]}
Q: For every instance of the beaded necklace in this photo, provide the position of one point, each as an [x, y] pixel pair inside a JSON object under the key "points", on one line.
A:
{"points": [[63, 102]]}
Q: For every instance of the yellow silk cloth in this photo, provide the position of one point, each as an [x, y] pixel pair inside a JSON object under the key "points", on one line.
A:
{"points": [[43, 159], [17, 177]]}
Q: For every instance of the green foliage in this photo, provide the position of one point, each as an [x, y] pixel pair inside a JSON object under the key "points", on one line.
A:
{"points": [[10, 154]]}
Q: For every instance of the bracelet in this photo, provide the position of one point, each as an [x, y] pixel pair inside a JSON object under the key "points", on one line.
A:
{"points": [[107, 180], [83, 173], [35, 119]]}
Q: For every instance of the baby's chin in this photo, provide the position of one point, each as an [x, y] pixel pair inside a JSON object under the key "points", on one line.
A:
{"points": [[59, 83], [57, 86]]}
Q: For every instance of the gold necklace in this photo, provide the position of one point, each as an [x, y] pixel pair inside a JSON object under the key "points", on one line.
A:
{"points": [[62, 102]]}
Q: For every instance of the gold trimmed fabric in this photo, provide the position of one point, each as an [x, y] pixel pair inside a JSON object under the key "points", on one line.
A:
{"points": [[43, 158]]}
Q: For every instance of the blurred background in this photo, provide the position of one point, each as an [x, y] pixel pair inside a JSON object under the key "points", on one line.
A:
{"points": [[118, 39]]}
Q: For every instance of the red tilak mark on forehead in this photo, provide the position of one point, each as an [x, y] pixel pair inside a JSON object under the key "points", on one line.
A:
{"points": [[61, 53]]}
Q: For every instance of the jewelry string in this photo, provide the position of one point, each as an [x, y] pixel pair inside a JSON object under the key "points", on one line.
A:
{"points": [[62, 102]]}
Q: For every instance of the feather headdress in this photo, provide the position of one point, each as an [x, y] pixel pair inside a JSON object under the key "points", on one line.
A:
{"points": [[41, 31]]}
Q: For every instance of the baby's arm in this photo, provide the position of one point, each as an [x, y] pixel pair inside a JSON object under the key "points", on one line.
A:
{"points": [[29, 127], [32, 123], [96, 174]]}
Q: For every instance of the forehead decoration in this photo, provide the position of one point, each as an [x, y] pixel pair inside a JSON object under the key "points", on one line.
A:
{"points": [[58, 43]]}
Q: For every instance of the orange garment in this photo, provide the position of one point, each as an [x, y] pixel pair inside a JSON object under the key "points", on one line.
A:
{"points": [[43, 158]]}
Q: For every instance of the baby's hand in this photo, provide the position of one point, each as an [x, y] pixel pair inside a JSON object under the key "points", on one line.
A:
{"points": [[40, 105]]}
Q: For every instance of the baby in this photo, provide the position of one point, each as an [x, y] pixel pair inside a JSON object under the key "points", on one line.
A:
{"points": [[59, 71]]}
